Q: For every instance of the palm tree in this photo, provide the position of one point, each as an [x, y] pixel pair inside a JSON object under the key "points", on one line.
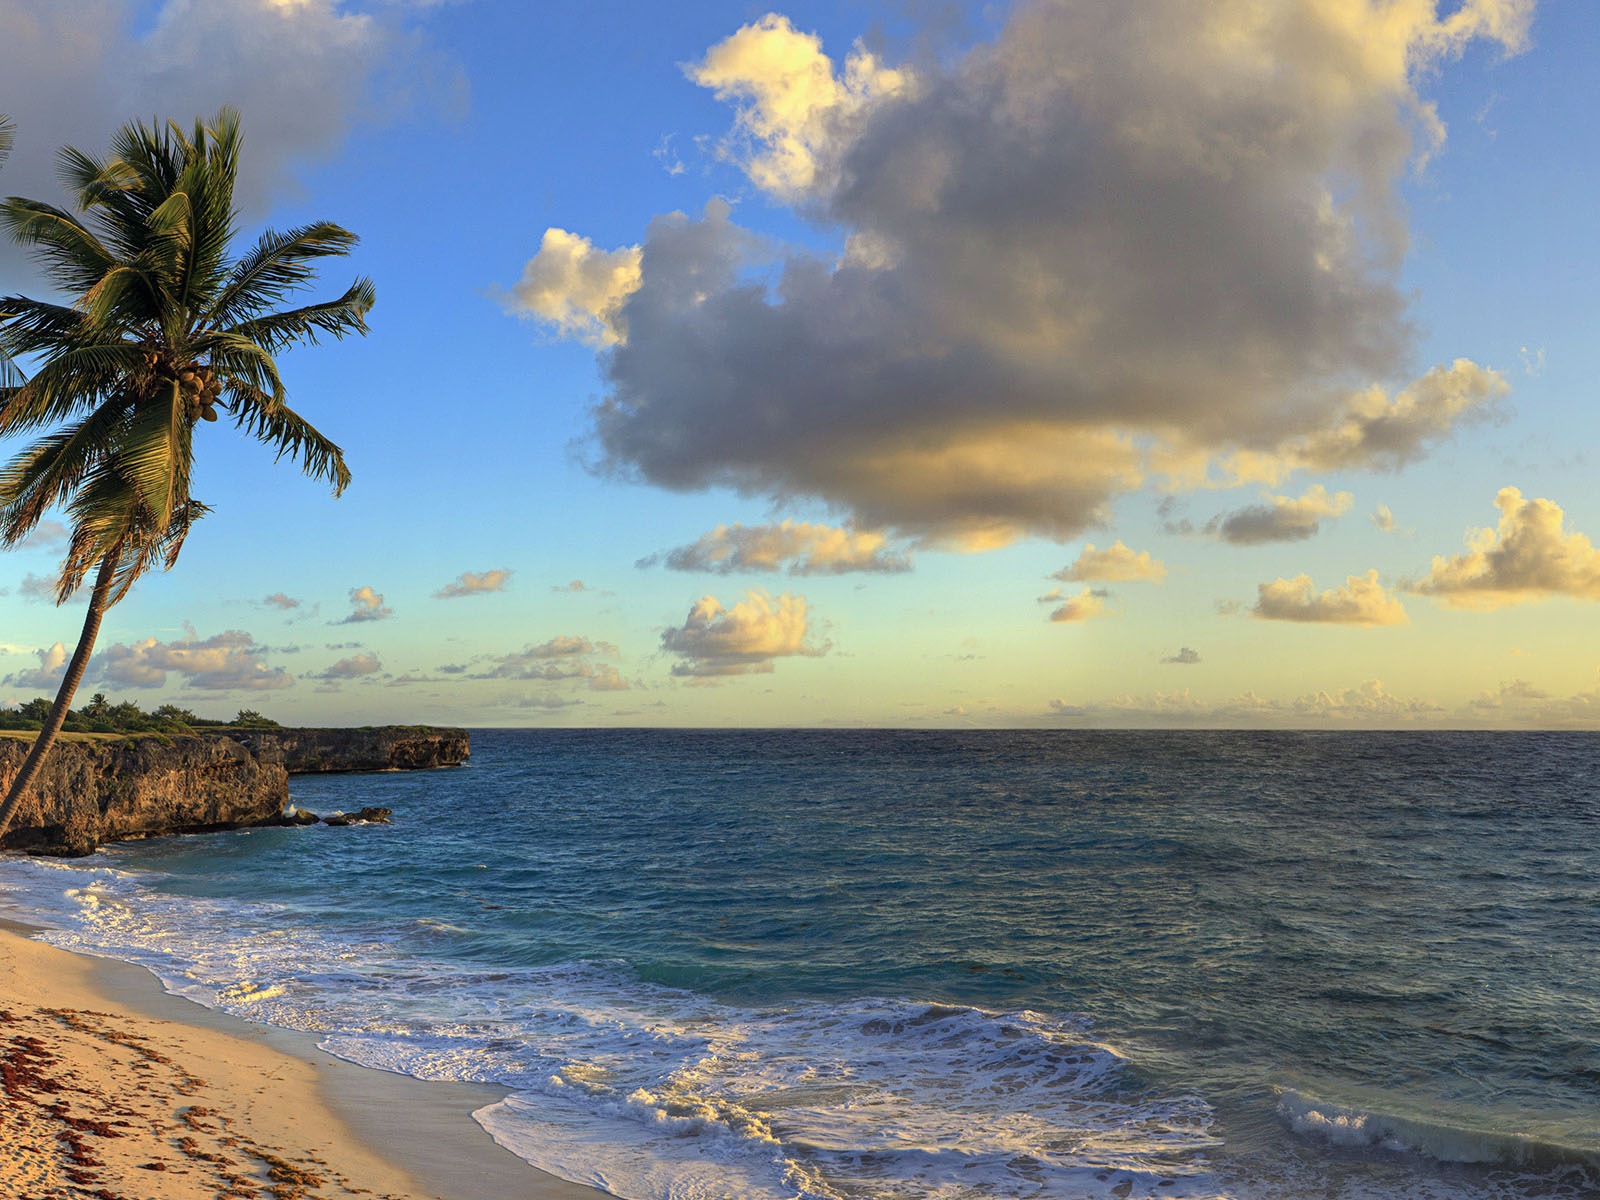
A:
{"points": [[164, 329]]}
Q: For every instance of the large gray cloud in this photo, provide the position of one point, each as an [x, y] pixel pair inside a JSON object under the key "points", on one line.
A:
{"points": [[302, 73], [1155, 237]]}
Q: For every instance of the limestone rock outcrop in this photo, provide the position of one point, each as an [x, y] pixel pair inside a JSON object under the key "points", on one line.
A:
{"points": [[109, 789], [94, 791], [372, 748]]}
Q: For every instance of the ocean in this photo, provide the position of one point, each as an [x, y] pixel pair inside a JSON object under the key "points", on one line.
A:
{"points": [[886, 965]]}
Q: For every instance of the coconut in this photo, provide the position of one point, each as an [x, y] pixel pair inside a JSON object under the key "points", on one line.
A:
{"points": [[208, 413]]}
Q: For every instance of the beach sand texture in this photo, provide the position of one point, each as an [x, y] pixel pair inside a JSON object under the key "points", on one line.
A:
{"points": [[114, 1090]]}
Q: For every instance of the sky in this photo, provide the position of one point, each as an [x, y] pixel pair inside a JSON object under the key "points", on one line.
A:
{"points": [[911, 363]]}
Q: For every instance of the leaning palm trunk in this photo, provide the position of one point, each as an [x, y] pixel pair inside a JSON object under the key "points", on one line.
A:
{"points": [[99, 601]]}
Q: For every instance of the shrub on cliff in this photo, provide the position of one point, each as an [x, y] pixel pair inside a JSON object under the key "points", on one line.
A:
{"points": [[100, 716]]}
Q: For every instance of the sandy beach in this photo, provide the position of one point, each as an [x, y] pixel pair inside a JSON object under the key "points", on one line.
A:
{"points": [[116, 1090]]}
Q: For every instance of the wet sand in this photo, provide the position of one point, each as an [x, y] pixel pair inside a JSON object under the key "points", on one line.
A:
{"points": [[114, 1089]]}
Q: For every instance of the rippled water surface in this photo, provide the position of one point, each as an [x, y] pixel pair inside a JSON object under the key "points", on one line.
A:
{"points": [[892, 964]]}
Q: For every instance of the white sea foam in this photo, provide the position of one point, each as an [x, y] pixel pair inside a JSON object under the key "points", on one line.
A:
{"points": [[658, 1094], [1436, 1138]]}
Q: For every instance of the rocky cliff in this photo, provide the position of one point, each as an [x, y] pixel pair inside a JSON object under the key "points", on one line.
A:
{"points": [[90, 792], [105, 790], [374, 748]]}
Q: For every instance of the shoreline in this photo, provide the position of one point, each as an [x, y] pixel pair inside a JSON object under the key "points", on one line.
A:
{"points": [[111, 1081]]}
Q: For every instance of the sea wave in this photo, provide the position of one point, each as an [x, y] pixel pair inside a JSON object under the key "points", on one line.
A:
{"points": [[653, 1092], [1436, 1138]]}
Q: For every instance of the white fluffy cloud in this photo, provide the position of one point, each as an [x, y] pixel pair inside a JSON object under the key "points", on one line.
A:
{"points": [[576, 287], [47, 675], [794, 109], [1284, 519], [1361, 601], [807, 549], [1115, 564], [228, 661], [1530, 555], [475, 583], [1155, 237], [742, 640]]}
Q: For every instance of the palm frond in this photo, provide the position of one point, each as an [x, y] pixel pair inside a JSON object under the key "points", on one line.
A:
{"points": [[45, 475], [72, 256], [348, 314], [241, 363], [75, 378], [295, 438], [279, 263], [154, 452]]}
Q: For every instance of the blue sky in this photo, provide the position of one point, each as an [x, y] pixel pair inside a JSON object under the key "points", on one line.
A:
{"points": [[1268, 304]]}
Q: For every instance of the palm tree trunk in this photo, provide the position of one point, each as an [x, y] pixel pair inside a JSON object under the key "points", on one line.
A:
{"points": [[69, 686]]}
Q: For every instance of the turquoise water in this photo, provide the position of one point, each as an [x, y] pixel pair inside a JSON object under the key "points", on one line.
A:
{"points": [[896, 964]]}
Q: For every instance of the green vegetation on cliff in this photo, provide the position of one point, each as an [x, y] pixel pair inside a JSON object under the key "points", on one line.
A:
{"points": [[101, 716]]}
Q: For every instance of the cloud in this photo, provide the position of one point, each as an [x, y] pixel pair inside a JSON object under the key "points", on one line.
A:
{"points": [[546, 701], [303, 74], [1084, 606], [47, 675], [807, 549], [1518, 703], [1529, 556], [1376, 430], [469, 583], [577, 585], [37, 587], [1184, 658], [1370, 704], [1115, 241], [46, 535], [1361, 601], [1115, 564], [792, 105], [1284, 520], [353, 667], [366, 605], [575, 287], [1383, 520], [567, 657], [228, 661], [742, 640], [280, 600]]}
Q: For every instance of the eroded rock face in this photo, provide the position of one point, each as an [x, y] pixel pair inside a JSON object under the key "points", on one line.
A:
{"points": [[88, 792], [375, 748], [109, 790]]}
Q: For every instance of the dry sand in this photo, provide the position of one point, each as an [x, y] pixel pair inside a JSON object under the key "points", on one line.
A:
{"points": [[111, 1089]]}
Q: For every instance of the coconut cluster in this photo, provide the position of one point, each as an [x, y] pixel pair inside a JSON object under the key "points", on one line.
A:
{"points": [[200, 387]]}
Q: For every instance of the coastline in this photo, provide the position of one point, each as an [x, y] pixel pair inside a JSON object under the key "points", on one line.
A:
{"points": [[116, 1085]]}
